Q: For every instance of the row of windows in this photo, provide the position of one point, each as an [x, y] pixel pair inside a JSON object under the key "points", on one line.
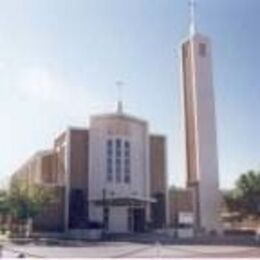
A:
{"points": [[118, 160], [118, 143]]}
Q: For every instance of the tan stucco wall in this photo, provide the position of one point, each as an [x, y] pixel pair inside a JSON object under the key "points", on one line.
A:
{"points": [[189, 114]]}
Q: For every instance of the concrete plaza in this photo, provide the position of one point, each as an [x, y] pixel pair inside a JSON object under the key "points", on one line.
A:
{"points": [[116, 249]]}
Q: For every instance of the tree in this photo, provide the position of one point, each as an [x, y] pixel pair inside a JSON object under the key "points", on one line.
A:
{"points": [[26, 202], [4, 206], [231, 200], [4, 210], [248, 189], [245, 197]]}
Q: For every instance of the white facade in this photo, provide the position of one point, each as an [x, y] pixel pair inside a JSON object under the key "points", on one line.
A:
{"points": [[112, 180], [200, 129]]}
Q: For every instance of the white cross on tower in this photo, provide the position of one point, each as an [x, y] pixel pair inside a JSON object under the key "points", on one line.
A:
{"points": [[192, 5], [119, 85]]}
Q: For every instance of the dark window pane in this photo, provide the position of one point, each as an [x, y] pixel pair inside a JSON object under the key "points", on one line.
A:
{"points": [[127, 178], [109, 143], [127, 153], [118, 177], [202, 49], [109, 152], [118, 152], [118, 143], [109, 177]]}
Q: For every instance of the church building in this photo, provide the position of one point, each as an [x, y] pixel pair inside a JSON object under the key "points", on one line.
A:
{"points": [[111, 175]]}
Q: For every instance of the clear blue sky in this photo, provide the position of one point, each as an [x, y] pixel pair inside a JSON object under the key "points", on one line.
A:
{"points": [[59, 60]]}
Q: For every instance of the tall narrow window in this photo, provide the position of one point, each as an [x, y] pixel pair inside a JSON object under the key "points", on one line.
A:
{"points": [[118, 147], [109, 147], [127, 162], [118, 160], [118, 170], [109, 160]]}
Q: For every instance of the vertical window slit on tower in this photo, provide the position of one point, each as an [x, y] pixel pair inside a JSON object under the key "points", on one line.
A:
{"points": [[202, 49]]}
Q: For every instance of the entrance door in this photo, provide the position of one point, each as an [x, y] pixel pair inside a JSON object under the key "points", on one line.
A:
{"points": [[117, 222], [139, 219]]}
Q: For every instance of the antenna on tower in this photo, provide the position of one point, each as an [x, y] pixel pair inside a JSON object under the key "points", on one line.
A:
{"points": [[119, 85], [192, 5]]}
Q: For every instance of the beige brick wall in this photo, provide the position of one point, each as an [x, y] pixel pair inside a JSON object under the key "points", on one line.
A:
{"points": [[40, 169], [49, 168], [179, 201], [158, 181], [157, 164], [79, 159], [60, 152]]}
